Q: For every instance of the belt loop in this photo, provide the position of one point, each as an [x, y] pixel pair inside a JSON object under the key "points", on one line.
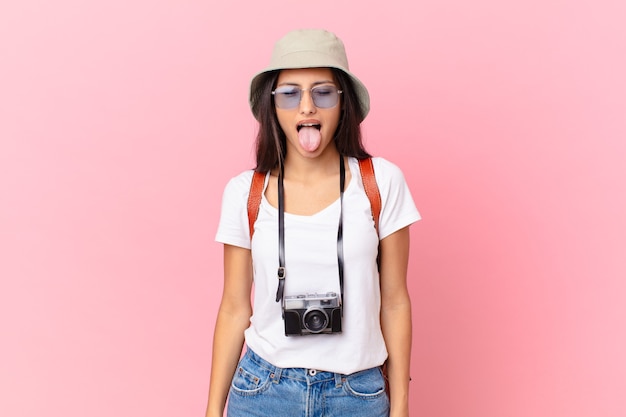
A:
{"points": [[338, 380], [276, 374]]}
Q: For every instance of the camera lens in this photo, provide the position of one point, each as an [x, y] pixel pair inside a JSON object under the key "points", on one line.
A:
{"points": [[315, 320]]}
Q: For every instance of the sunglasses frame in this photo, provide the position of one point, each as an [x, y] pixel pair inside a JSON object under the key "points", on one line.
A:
{"points": [[311, 91]]}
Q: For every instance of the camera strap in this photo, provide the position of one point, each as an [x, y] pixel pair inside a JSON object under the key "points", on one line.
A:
{"points": [[281, 231], [281, 235], [368, 177]]}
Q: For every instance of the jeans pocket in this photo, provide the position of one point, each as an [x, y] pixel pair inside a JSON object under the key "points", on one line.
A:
{"points": [[250, 378], [369, 383]]}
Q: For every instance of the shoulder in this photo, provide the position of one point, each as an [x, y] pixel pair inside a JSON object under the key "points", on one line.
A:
{"points": [[240, 184], [233, 225], [385, 164], [398, 208], [387, 172]]}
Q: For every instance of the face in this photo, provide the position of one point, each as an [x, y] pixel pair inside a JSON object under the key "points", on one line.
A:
{"points": [[311, 124]]}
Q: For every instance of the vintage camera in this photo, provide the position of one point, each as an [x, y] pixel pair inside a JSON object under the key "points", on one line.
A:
{"points": [[312, 314]]}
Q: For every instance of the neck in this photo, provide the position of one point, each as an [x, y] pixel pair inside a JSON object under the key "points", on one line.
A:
{"points": [[299, 167]]}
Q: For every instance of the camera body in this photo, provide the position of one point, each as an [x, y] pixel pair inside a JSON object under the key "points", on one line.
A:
{"points": [[312, 314]]}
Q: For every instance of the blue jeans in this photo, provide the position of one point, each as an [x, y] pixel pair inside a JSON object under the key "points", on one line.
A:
{"points": [[262, 389]]}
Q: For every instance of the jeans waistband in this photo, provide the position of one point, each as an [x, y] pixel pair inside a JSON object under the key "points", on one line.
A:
{"points": [[301, 374]]}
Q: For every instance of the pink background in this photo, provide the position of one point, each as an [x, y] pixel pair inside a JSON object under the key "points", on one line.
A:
{"points": [[121, 121]]}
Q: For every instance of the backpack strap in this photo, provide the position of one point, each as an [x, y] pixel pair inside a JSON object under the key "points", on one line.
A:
{"points": [[254, 199], [366, 167]]}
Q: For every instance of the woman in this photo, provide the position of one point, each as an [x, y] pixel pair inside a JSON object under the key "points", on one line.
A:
{"points": [[327, 315]]}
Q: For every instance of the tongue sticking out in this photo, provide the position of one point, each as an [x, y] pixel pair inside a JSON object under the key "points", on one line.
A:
{"points": [[310, 138]]}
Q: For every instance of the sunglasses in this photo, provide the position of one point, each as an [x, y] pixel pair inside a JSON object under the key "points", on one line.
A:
{"points": [[323, 96]]}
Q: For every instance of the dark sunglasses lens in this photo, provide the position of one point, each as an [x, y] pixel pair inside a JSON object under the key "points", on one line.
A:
{"points": [[325, 97], [287, 97]]}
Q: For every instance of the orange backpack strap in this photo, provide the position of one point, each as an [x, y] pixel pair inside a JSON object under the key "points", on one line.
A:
{"points": [[254, 199], [366, 167], [368, 177]]}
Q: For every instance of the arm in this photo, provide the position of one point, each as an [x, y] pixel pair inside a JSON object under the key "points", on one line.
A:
{"points": [[232, 319], [396, 317]]}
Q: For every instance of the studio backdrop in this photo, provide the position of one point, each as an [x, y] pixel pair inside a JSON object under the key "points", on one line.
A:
{"points": [[122, 121]]}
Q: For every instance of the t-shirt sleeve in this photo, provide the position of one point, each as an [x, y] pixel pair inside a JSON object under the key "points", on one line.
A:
{"points": [[398, 208], [233, 225]]}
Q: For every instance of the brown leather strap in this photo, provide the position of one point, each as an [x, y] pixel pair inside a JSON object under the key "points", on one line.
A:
{"points": [[371, 188], [254, 199], [368, 177]]}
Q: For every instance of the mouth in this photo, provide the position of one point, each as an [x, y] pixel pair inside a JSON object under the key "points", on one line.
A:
{"points": [[315, 125]]}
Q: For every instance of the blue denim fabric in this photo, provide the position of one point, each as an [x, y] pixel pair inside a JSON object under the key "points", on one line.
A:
{"points": [[262, 389]]}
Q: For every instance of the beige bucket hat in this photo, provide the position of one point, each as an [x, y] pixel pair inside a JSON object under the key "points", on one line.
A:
{"points": [[310, 48]]}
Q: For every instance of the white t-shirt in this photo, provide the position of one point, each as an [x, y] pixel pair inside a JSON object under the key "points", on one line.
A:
{"points": [[311, 265]]}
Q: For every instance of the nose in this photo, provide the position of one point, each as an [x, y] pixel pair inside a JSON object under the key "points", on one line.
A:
{"points": [[307, 106]]}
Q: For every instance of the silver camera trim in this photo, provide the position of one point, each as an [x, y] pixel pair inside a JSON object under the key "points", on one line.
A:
{"points": [[303, 301]]}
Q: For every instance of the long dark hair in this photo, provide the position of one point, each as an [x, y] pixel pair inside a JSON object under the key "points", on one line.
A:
{"points": [[271, 142]]}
